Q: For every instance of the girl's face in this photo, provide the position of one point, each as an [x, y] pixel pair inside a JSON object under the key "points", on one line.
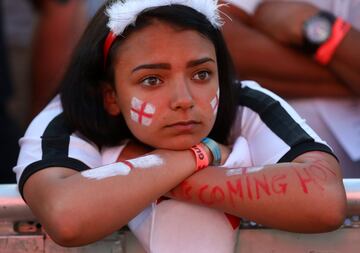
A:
{"points": [[167, 86]]}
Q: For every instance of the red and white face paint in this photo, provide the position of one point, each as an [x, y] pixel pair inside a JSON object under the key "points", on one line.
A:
{"points": [[142, 112], [215, 102]]}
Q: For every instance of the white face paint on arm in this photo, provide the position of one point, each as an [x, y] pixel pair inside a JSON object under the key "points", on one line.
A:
{"points": [[147, 162], [242, 171], [111, 170], [123, 168]]}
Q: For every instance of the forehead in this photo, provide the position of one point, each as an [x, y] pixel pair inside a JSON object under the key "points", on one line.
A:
{"points": [[161, 41]]}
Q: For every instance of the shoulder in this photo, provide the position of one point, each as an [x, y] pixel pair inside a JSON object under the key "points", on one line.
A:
{"points": [[274, 130], [49, 142], [51, 113], [256, 97]]}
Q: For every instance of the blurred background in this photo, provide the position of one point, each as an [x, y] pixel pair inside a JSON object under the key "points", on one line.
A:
{"points": [[36, 40]]}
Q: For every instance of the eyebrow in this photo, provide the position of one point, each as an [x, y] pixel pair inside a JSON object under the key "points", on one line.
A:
{"points": [[195, 63], [190, 64]]}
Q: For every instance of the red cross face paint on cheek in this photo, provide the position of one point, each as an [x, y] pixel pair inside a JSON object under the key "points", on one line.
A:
{"points": [[142, 112], [215, 102]]}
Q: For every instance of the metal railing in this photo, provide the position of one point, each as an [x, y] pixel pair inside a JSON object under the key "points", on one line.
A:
{"points": [[13, 208], [352, 187]]}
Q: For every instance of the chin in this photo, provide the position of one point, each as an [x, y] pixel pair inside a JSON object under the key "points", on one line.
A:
{"points": [[178, 144]]}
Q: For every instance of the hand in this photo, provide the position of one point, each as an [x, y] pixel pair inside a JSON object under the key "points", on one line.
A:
{"points": [[283, 21]]}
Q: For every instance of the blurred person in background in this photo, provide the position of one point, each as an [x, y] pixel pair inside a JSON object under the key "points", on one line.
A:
{"points": [[60, 25], [280, 45]]}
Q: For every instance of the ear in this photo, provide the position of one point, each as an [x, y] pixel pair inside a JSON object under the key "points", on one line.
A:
{"points": [[110, 100]]}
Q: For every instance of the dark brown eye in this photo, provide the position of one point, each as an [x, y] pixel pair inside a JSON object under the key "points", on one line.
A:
{"points": [[202, 75], [151, 81]]}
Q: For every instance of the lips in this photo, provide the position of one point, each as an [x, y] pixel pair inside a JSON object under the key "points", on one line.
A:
{"points": [[184, 125]]}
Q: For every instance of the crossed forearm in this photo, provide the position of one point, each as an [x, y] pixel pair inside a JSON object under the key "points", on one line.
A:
{"points": [[285, 196]]}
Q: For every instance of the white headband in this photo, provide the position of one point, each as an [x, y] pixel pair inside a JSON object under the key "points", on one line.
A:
{"points": [[121, 14]]}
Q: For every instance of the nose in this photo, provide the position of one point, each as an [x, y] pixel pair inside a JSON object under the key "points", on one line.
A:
{"points": [[182, 98]]}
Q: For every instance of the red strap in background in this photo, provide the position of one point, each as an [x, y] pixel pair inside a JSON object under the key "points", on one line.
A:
{"points": [[324, 54]]}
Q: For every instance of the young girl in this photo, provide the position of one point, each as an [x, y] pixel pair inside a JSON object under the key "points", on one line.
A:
{"points": [[148, 82]]}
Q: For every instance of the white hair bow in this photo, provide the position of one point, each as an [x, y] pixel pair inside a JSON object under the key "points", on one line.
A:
{"points": [[123, 13]]}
